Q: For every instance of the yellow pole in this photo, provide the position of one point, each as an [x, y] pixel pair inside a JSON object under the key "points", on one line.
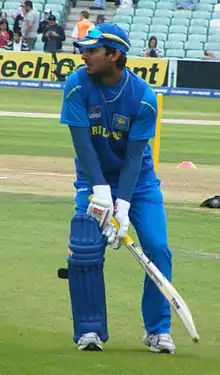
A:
{"points": [[156, 146]]}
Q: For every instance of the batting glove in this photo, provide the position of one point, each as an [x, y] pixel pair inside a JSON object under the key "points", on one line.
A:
{"points": [[121, 215]]}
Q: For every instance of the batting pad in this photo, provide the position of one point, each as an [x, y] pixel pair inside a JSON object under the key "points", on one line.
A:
{"points": [[86, 277]]}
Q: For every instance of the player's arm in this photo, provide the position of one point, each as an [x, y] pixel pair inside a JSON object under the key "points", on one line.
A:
{"points": [[142, 129], [74, 114]]}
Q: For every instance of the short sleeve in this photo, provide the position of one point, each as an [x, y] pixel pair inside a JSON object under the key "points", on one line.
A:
{"points": [[30, 17], [74, 111], [144, 125]]}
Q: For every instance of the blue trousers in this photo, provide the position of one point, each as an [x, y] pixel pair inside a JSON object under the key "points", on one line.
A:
{"points": [[147, 215]]}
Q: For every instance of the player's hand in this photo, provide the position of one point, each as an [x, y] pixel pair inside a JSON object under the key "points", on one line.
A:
{"points": [[101, 205], [121, 215], [110, 233]]}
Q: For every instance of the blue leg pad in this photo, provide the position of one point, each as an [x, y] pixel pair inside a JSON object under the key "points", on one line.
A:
{"points": [[86, 278]]}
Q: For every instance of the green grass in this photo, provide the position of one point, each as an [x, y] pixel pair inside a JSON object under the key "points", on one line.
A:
{"points": [[49, 101], [47, 137], [35, 314], [35, 319]]}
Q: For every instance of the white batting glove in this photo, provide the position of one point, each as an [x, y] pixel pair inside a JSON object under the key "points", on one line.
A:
{"points": [[101, 207], [110, 233], [121, 215]]}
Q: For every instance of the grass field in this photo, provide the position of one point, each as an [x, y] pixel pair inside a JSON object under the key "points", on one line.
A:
{"points": [[36, 206]]}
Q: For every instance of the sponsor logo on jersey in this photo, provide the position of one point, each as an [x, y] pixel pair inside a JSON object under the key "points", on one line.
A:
{"points": [[95, 112], [120, 122]]}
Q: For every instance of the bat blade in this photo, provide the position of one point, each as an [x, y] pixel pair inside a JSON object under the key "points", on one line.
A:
{"points": [[167, 289]]}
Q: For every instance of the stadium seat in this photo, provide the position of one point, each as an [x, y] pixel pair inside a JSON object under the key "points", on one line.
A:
{"points": [[194, 54], [215, 46], [141, 20], [180, 22], [197, 38], [159, 36], [163, 13], [135, 51], [39, 46], [123, 19], [208, 2], [58, 16], [182, 14], [177, 37], [11, 22], [146, 5], [139, 27], [144, 12], [197, 30], [178, 53], [214, 38], [199, 22], [173, 45], [56, 7], [124, 12], [216, 15], [161, 44], [213, 30], [194, 45], [161, 21], [39, 6], [137, 43], [138, 35], [178, 29], [39, 37], [64, 2], [11, 5], [201, 14], [206, 7], [159, 29], [165, 5], [124, 26]]}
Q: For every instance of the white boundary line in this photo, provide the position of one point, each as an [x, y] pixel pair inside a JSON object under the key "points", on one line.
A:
{"points": [[57, 116]]}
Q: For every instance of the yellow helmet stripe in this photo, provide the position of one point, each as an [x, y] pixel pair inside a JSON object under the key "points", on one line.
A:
{"points": [[115, 38]]}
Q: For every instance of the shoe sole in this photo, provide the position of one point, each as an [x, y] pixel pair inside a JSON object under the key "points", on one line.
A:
{"points": [[91, 347], [162, 351]]}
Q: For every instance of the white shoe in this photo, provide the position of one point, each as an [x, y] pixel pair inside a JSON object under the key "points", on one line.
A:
{"points": [[161, 343], [90, 342]]}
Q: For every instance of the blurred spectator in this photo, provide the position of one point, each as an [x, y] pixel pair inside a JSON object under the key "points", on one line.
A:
{"points": [[30, 24], [18, 17], [4, 34], [208, 55], [186, 4], [152, 50], [17, 44], [44, 23], [53, 36], [82, 26], [98, 4], [100, 19], [3, 17]]}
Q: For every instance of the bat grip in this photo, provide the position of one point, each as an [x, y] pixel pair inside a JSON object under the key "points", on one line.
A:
{"points": [[127, 240]]}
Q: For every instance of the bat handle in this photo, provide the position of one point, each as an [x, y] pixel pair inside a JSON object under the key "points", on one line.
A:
{"points": [[127, 240]]}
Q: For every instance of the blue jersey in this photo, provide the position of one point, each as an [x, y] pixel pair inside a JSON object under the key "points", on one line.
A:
{"points": [[115, 114]]}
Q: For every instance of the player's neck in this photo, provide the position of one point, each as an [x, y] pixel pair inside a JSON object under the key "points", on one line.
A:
{"points": [[113, 78]]}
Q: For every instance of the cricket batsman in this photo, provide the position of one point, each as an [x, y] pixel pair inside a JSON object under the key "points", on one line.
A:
{"points": [[111, 114]]}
